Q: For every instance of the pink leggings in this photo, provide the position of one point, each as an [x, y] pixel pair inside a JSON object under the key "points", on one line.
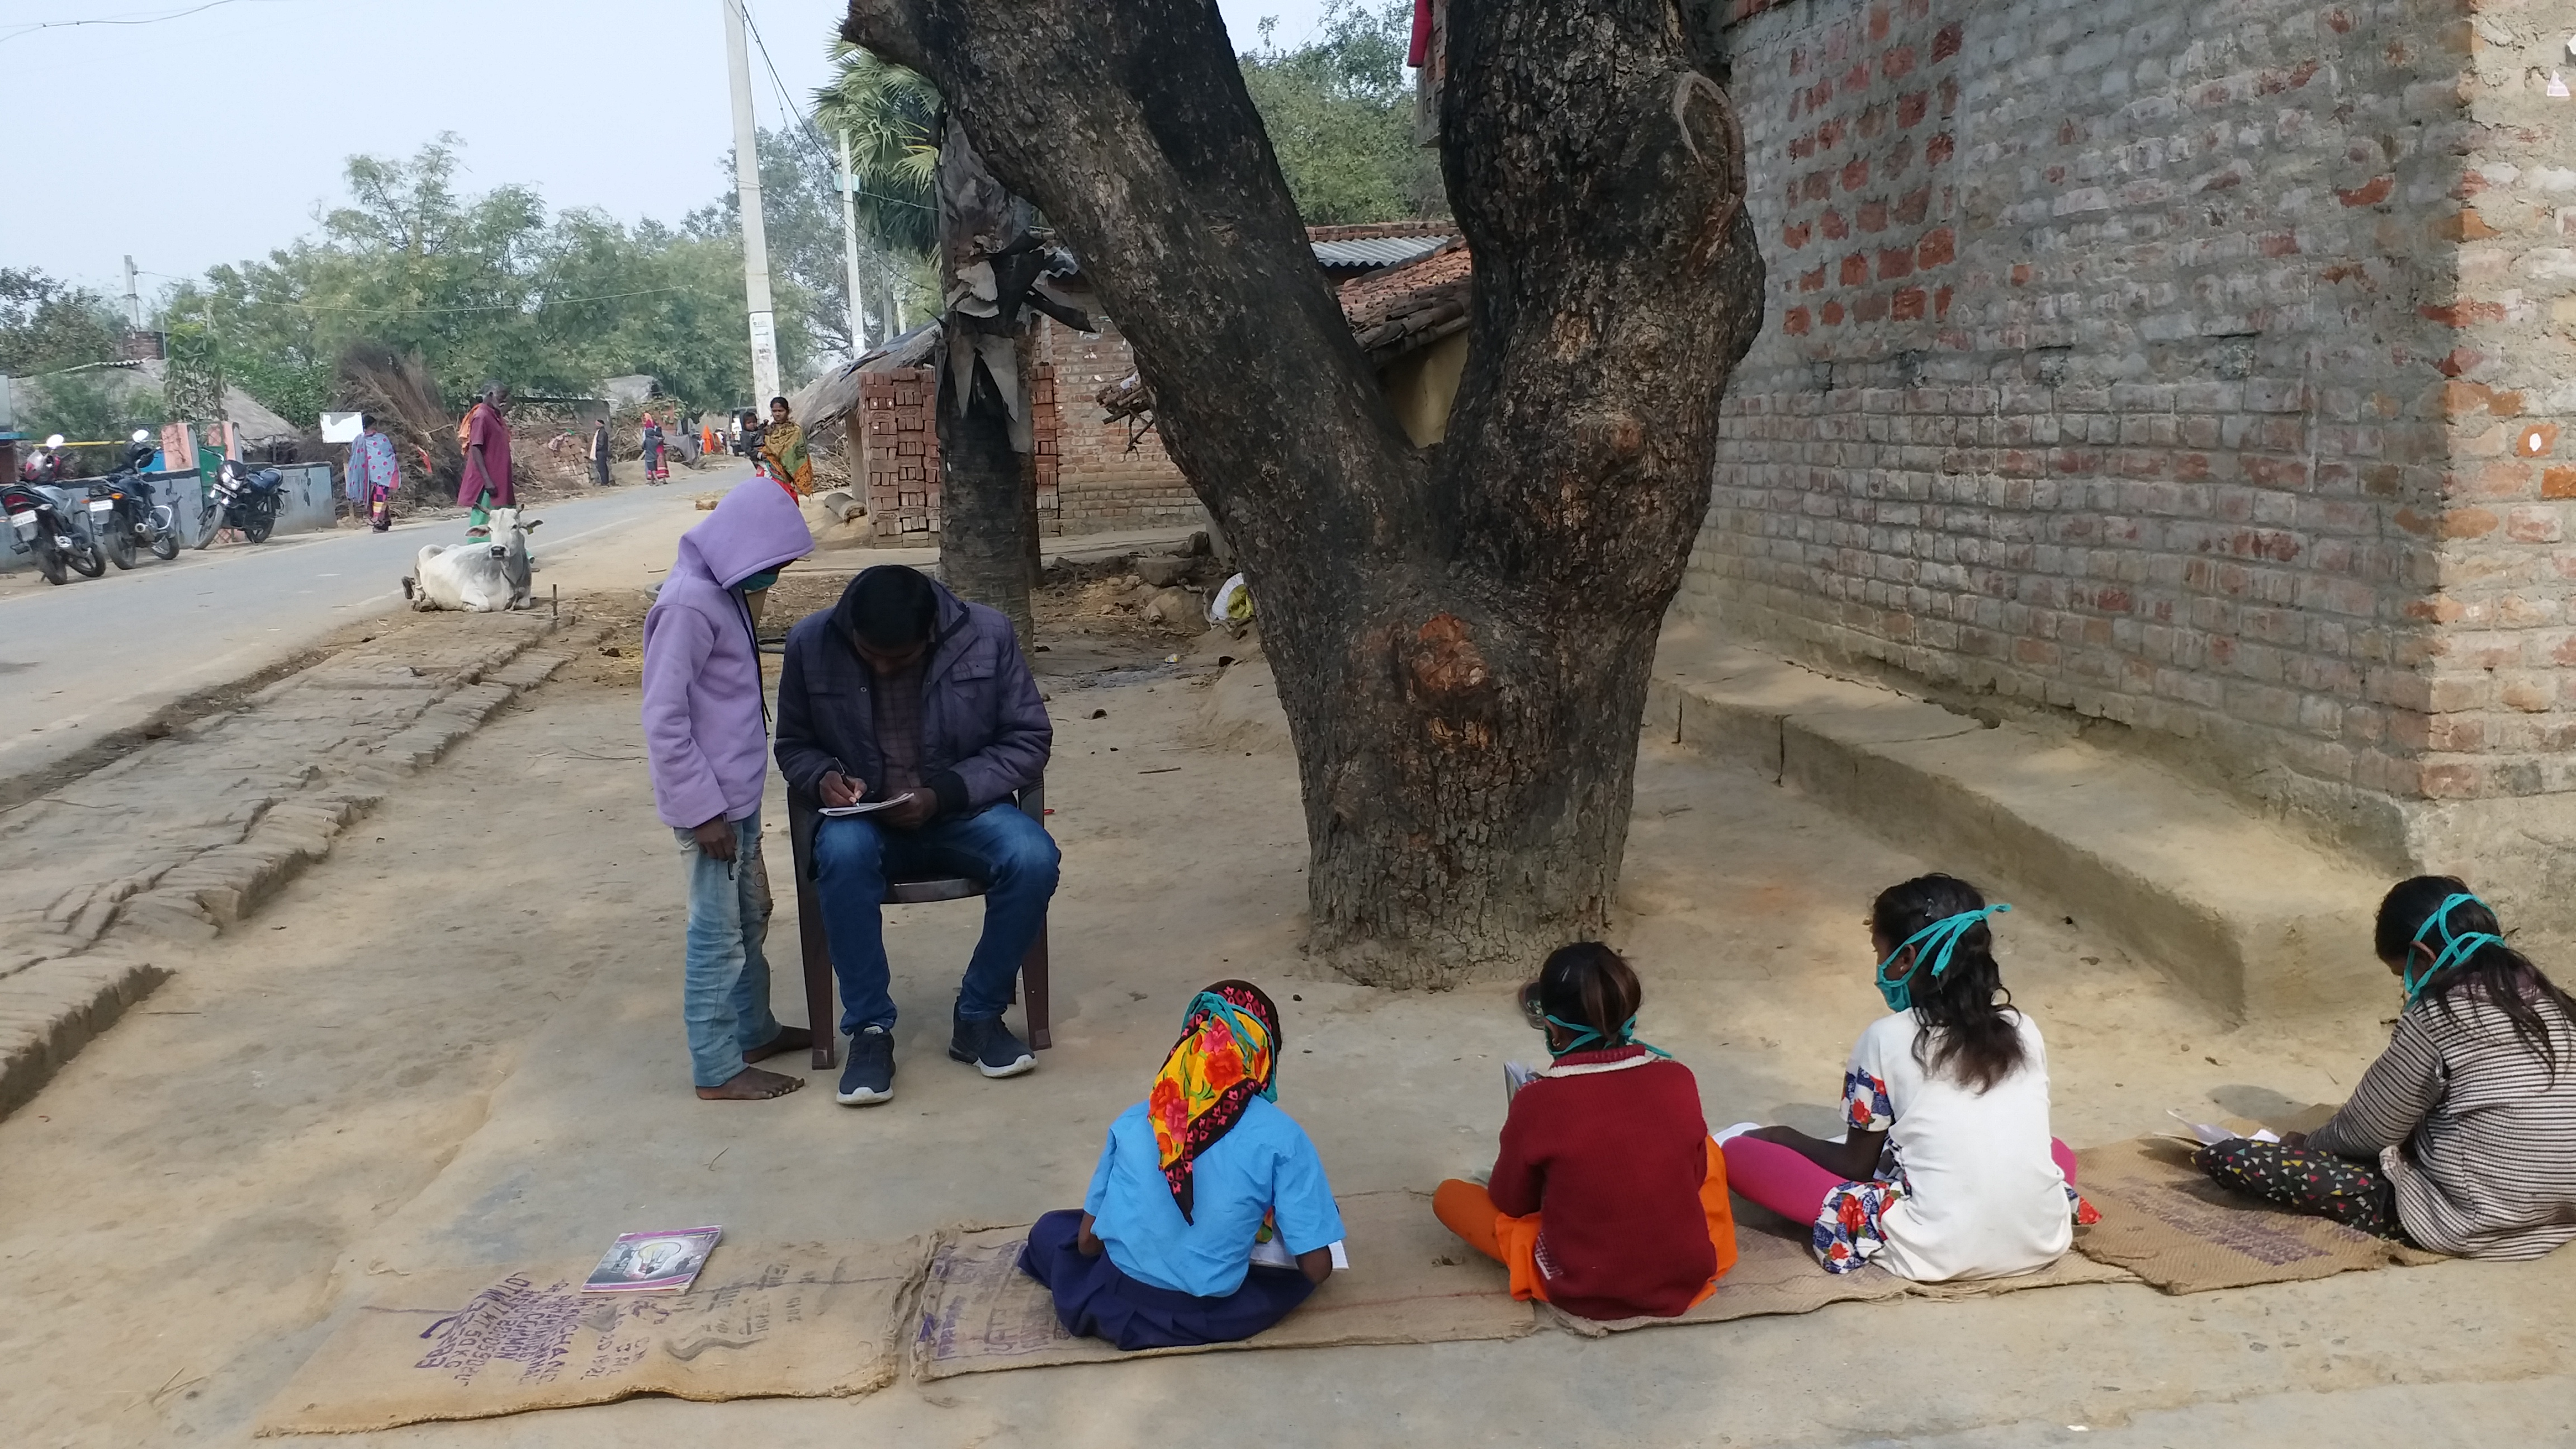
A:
{"points": [[1783, 1180]]}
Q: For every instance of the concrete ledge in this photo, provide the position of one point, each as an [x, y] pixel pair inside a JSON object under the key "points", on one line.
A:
{"points": [[51, 1010], [56, 1005], [2247, 914]]}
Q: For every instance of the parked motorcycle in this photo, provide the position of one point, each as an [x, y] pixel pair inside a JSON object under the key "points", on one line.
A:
{"points": [[40, 523], [122, 513], [243, 498]]}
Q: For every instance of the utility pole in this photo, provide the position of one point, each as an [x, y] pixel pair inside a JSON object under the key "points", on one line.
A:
{"points": [[133, 299], [850, 249], [755, 238]]}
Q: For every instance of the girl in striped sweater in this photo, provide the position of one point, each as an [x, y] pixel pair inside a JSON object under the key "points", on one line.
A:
{"points": [[2461, 1138]]}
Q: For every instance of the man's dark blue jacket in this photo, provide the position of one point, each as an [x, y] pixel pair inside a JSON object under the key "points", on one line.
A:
{"points": [[984, 730]]}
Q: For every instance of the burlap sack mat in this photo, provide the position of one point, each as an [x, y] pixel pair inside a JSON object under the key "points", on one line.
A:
{"points": [[1775, 1273], [1410, 1281], [2169, 1224], [801, 1321]]}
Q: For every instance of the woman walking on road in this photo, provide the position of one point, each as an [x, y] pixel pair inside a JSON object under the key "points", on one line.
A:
{"points": [[782, 447], [374, 474], [654, 472]]}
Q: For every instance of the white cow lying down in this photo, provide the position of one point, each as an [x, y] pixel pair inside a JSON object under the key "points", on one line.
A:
{"points": [[478, 578]]}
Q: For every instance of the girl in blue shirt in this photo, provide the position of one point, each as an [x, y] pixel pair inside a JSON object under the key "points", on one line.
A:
{"points": [[1160, 1256]]}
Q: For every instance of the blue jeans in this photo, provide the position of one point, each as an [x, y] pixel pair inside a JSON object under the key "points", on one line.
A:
{"points": [[724, 994], [854, 857]]}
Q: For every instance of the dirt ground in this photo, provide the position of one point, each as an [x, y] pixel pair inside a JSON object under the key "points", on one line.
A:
{"points": [[457, 1043]]}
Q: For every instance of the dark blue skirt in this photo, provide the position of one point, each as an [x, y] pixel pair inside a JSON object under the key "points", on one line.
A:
{"points": [[1094, 1300]]}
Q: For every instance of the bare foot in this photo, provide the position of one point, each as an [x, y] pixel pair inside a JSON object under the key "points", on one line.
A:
{"points": [[751, 1084], [789, 1039]]}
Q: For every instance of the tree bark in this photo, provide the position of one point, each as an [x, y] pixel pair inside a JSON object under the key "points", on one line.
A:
{"points": [[1462, 635], [988, 505], [990, 254]]}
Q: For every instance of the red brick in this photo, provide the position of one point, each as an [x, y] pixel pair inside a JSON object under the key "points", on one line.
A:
{"points": [[1938, 248], [2370, 193]]}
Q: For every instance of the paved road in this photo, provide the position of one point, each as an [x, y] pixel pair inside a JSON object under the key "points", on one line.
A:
{"points": [[98, 655]]}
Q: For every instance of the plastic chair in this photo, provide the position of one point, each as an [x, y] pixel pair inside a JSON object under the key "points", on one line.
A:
{"points": [[922, 890]]}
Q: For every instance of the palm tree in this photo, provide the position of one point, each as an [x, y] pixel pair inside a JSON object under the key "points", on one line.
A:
{"points": [[892, 117]]}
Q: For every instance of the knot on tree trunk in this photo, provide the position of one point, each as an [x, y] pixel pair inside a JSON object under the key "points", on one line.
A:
{"points": [[1446, 678]]}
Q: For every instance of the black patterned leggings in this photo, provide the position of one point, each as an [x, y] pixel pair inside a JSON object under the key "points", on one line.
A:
{"points": [[2302, 1179]]}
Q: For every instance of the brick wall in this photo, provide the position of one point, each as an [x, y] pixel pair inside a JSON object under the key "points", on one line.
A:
{"points": [[2501, 688], [2124, 359], [1088, 480], [1100, 483]]}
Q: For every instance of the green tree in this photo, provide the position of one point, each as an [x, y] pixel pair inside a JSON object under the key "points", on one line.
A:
{"points": [[1339, 111], [893, 119], [891, 116], [488, 286], [47, 324]]}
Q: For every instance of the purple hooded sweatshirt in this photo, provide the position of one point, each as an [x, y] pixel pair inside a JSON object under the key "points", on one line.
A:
{"points": [[706, 728]]}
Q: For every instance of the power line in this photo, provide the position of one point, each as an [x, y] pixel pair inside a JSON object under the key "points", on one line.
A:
{"points": [[806, 125], [34, 26]]}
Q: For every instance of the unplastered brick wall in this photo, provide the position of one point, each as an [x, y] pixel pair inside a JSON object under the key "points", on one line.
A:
{"points": [[1101, 482], [2195, 367], [2501, 686]]}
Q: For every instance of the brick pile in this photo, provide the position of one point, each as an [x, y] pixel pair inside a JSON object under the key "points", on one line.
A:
{"points": [[2196, 369]]}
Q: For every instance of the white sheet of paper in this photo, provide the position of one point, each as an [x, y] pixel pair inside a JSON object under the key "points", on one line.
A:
{"points": [[864, 807], [1274, 1254], [2211, 1136]]}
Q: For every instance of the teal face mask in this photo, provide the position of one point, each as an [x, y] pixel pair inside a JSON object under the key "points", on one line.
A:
{"points": [[1582, 1036], [758, 581], [2455, 949], [1935, 941]]}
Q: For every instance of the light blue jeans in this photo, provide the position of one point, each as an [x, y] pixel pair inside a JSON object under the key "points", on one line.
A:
{"points": [[853, 859], [725, 988]]}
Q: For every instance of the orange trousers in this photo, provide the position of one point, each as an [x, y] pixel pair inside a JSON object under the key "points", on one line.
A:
{"points": [[1465, 1208]]}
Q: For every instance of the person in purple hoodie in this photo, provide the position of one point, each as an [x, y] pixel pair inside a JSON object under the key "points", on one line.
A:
{"points": [[706, 725], [905, 694]]}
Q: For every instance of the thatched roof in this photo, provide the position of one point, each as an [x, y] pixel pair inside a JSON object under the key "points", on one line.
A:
{"points": [[829, 398]]}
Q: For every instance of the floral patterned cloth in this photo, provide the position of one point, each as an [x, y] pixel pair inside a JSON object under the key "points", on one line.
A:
{"points": [[1227, 1055]]}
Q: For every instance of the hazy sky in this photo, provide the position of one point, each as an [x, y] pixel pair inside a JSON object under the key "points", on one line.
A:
{"points": [[216, 136]]}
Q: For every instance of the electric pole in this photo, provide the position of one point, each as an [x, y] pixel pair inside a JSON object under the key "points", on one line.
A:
{"points": [[755, 238], [133, 299], [850, 248]]}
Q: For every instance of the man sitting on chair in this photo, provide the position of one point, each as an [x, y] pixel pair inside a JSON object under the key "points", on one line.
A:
{"points": [[905, 694]]}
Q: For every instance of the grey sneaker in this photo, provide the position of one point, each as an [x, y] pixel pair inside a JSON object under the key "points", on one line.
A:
{"points": [[990, 1046], [869, 1078]]}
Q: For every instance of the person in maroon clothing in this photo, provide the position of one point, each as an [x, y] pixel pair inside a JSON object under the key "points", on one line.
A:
{"points": [[1608, 1199]]}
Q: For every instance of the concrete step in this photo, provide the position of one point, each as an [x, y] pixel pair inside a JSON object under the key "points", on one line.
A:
{"points": [[62, 987], [2244, 911]]}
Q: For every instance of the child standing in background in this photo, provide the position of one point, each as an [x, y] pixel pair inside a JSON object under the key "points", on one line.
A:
{"points": [[706, 731], [1948, 1169], [1608, 1198]]}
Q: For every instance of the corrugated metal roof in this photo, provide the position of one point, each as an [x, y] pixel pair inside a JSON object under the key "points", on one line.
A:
{"points": [[1384, 251]]}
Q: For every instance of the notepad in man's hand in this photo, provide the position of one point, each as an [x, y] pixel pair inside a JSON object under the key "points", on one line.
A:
{"points": [[864, 807]]}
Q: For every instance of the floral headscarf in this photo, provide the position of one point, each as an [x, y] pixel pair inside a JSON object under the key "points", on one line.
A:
{"points": [[1227, 1055]]}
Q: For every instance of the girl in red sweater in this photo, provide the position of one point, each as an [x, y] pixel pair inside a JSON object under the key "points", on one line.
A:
{"points": [[1608, 1199]]}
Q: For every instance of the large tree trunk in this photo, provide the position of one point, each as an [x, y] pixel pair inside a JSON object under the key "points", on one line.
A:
{"points": [[988, 489], [988, 505], [1462, 635]]}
